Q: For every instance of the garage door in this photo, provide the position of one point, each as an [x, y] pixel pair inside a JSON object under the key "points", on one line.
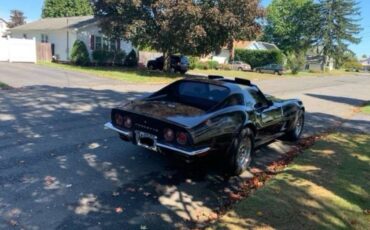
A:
{"points": [[18, 50]]}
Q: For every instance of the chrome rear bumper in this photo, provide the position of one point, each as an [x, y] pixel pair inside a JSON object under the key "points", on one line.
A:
{"points": [[194, 152]]}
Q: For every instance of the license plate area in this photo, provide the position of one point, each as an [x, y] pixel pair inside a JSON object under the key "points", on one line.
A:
{"points": [[146, 140]]}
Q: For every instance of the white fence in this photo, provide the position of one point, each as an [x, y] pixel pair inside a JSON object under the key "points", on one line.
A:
{"points": [[18, 50]]}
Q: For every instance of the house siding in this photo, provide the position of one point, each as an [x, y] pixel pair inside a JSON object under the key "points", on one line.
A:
{"points": [[62, 48]]}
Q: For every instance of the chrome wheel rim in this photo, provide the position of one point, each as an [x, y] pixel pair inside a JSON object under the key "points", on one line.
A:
{"points": [[299, 126], [244, 153]]}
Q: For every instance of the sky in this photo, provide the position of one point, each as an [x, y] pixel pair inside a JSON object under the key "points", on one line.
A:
{"points": [[32, 10]]}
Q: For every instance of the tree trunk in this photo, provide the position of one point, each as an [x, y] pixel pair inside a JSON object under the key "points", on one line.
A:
{"points": [[166, 61], [230, 47]]}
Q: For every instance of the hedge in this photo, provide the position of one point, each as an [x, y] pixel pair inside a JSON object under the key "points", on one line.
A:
{"points": [[257, 58]]}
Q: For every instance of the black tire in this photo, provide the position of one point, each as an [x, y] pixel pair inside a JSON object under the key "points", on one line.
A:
{"points": [[240, 152], [296, 128], [183, 72], [150, 67]]}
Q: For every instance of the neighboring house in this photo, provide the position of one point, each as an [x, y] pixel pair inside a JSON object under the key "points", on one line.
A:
{"points": [[63, 32], [222, 56], [365, 64], [3, 28], [315, 61]]}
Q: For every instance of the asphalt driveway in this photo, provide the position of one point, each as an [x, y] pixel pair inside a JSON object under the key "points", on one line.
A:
{"points": [[61, 170]]}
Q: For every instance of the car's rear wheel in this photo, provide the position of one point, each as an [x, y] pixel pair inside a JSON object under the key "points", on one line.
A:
{"points": [[297, 127], [241, 152]]}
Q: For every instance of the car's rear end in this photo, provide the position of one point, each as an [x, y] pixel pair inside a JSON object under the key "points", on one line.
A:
{"points": [[155, 134]]}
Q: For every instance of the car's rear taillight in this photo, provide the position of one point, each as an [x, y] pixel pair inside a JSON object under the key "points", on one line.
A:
{"points": [[118, 119], [181, 138], [169, 135], [127, 122]]}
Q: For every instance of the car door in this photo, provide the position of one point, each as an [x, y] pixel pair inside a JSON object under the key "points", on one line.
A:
{"points": [[268, 116]]}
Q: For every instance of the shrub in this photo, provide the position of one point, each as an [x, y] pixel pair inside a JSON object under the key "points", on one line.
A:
{"points": [[212, 64], [193, 61], [225, 67], [258, 58], [104, 57], [295, 62], [131, 59], [201, 65], [352, 65], [100, 56], [79, 54]]}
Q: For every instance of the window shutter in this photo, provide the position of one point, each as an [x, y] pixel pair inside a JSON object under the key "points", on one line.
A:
{"points": [[92, 42], [118, 44]]}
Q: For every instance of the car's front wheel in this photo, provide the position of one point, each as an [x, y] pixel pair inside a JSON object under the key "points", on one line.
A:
{"points": [[297, 127], [241, 152]]}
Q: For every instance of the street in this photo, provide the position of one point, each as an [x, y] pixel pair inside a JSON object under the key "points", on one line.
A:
{"points": [[61, 170]]}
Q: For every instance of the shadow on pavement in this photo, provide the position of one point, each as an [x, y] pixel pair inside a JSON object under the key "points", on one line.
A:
{"points": [[61, 169]]}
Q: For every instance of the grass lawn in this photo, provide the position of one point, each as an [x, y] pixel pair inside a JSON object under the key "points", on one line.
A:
{"points": [[119, 73], [266, 76], [327, 187], [366, 108]]}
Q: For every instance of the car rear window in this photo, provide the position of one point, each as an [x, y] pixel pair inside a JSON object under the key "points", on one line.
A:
{"points": [[203, 91]]}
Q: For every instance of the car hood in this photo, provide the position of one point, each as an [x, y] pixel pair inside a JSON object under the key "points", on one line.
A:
{"points": [[178, 113]]}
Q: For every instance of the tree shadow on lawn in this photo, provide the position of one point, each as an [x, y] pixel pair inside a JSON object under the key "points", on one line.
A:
{"points": [[326, 188], [61, 170]]}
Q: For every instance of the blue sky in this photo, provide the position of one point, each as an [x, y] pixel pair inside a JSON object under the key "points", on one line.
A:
{"points": [[32, 10]]}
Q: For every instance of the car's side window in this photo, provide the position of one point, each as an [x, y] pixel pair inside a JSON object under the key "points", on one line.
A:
{"points": [[259, 100], [236, 99]]}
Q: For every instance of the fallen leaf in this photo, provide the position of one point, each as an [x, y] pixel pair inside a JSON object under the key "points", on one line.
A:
{"points": [[259, 213], [119, 210], [367, 212]]}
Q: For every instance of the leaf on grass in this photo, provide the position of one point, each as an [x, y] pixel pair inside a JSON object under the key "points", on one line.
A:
{"points": [[119, 210], [259, 213]]}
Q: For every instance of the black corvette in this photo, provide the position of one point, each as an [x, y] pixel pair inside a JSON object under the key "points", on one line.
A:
{"points": [[196, 117]]}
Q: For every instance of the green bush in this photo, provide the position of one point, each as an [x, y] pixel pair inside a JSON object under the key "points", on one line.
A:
{"points": [[201, 65], [212, 64], [131, 59], [352, 65], [104, 57], [295, 62], [225, 67], [257, 58], [193, 61], [79, 54], [100, 56]]}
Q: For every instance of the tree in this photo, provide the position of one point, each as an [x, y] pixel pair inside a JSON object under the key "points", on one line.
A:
{"points": [[364, 56], [66, 8], [182, 26], [339, 27], [291, 24], [17, 18]]}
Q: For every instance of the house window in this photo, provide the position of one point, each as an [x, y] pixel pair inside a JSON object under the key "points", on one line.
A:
{"points": [[113, 45], [44, 38], [105, 44], [98, 43]]}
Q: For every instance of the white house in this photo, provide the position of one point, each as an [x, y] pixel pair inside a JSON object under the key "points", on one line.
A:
{"points": [[3, 28], [63, 32], [365, 64], [222, 56]]}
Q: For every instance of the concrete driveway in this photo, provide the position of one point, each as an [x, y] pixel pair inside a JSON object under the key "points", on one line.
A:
{"points": [[61, 170]]}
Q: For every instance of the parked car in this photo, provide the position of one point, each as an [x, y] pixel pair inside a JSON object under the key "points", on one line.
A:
{"points": [[179, 63], [241, 66], [271, 68], [199, 116]]}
